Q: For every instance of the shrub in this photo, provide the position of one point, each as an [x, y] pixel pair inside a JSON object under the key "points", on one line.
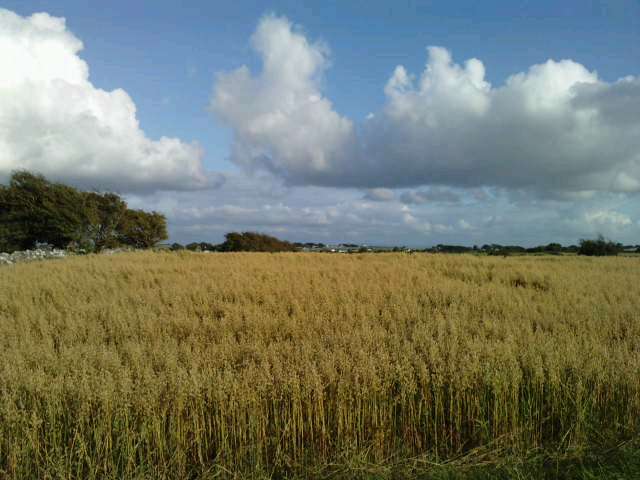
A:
{"points": [[254, 242], [599, 247]]}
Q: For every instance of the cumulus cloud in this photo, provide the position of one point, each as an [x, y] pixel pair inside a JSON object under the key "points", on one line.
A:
{"points": [[379, 195], [557, 127], [430, 195], [264, 203], [55, 121], [280, 119], [464, 225], [609, 218], [424, 227]]}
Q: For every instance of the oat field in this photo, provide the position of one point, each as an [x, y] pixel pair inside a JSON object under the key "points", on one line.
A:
{"points": [[187, 365]]}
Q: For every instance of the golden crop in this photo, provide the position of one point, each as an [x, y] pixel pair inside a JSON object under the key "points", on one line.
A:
{"points": [[166, 364]]}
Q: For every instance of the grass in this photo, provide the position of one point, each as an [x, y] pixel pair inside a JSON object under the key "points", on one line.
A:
{"points": [[165, 365]]}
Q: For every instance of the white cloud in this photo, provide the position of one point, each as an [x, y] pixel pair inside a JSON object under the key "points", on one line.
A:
{"points": [[55, 121], [423, 227], [464, 225], [430, 195], [555, 128], [280, 118], [263, 203], [609, 218], [379, 195]]}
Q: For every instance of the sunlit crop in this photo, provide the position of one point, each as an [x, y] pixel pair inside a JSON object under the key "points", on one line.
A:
{"points": [[164, 364]]}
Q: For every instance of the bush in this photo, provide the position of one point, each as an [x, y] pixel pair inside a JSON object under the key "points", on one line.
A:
{"points": [[599, 247], [254, 242]]}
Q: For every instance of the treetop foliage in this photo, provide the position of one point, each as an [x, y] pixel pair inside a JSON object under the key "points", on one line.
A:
{"points": [[241, 242], [599, 247], [35, 210], [254, 242]]}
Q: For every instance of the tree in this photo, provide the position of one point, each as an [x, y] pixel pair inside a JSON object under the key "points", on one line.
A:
{"points": [[599, 247], [105, 214], [6, 244], [34, 210], [553, 247], [254, 242], [141, 229]]}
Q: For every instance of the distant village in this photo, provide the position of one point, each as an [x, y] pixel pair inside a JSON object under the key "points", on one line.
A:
{"points": [[346, 248]]}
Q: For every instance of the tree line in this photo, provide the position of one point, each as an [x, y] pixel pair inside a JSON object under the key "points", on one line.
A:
{"points": [[599, 246], [34, 210]]}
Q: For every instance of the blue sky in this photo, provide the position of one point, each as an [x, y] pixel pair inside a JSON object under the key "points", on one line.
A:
{"points": [[168, 58]]}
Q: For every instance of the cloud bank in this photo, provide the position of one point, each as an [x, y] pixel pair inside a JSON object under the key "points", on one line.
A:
{"points": [[555, 128], [53, 120], [328, 214], [552, 154]]}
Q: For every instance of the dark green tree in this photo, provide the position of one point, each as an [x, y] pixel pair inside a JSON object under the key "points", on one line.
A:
{"points": [[254, 242], [33, 209], [105, 214], [599, 247], [142, 229]]}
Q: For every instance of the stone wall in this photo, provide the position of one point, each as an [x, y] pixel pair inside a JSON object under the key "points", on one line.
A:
{"points": [[31, 255]]}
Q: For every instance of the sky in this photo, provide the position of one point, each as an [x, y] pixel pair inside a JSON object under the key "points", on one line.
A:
{"points": [[385, 123]]}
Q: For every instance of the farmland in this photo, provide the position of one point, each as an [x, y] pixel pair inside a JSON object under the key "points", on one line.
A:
{"points": [[178, 365]]}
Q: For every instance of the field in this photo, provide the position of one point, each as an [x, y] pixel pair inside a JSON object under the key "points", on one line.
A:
{"points": [[166, 365]]}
